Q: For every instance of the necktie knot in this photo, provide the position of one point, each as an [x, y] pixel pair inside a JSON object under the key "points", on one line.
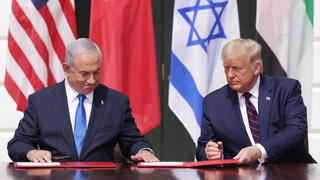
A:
{"points": [[247, 95], [81, 98]]}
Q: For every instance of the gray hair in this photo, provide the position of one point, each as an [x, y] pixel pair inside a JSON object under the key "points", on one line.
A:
{"points": [[239, 47], [79, 46]]}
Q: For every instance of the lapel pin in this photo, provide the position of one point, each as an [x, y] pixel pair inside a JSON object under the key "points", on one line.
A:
{"points": [[102, 102], [268, 98]]}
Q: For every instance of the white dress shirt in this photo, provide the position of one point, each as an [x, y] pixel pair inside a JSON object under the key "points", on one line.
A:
{"points": [[254, 100], [73, 101]]}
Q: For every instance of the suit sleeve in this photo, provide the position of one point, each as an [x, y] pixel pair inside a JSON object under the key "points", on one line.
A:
{"points": [[130, 139], [207, 133], [294, 120], [26, 136]]}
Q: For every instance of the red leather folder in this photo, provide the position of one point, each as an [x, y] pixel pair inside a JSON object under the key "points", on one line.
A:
{"points": [[186, 164], [65, 165], [89, 165]]}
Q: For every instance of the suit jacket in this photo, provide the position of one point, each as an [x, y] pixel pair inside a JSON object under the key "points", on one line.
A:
{"points": [[282, 116], [46, 123]]}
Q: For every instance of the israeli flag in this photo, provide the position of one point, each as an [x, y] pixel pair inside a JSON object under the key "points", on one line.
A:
{"points": [[200, 30]]}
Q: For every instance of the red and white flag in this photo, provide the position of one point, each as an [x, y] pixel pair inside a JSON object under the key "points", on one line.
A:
{"points": [[38, 34], [123, 29]]}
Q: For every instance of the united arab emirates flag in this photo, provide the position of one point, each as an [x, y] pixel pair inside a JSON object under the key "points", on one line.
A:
{"points": [[285, 30]]}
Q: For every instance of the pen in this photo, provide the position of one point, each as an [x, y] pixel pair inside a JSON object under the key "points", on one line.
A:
{"points": [[56, 157], [219, 145], [60, 157]]}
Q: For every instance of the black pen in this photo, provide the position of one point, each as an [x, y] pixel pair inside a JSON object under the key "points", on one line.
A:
{"points": [[219, 145], [60, 157]]}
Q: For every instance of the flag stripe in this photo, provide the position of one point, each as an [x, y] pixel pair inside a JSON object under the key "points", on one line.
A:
{"points": [[68, 11], [15, 92], [60, 21], [53, 32], [37, 41], [188, 88], [72, 4], [186, 113], [23, 62], [26, 46], [309, 9], [271, 64], [19, 77]]}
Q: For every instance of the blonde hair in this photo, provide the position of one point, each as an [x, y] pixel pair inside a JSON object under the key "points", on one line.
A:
{"points": [[239, 47]]}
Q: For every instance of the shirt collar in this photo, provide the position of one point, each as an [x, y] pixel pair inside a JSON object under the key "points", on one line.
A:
{"points": [[254, 91], [72, 94]]}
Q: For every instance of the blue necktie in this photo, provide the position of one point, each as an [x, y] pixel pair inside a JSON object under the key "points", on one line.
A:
{"points": [[253, 118], [80, 124]]}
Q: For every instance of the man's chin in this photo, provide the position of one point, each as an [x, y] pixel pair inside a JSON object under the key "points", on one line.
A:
{"points": [[88, 90], [235, 88]]}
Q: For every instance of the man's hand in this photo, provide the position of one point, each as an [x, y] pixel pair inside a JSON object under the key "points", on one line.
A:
{"points": [[248, 155], [39, 156], [145, 155], [214, 150]]}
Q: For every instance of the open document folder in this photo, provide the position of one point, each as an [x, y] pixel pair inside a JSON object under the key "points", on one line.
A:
{"points": [[65, 165], [171, 164]]}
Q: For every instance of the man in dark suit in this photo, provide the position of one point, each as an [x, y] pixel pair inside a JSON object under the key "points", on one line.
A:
{"points": [[253, 117], [78, 119]]}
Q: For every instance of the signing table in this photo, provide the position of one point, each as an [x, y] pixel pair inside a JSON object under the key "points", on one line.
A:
{"points": [[131, 171]]}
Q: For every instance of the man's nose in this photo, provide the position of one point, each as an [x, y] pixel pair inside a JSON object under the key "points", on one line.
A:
{"points": [[230, 73], [91, 79]]}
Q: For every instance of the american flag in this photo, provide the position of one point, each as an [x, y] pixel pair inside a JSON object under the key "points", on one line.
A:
{"points": [[39, 31]]}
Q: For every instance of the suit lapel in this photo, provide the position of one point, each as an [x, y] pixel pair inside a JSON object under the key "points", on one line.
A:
{"points": [[96, 115], [264, 103], [234, 114], [62, 116]]}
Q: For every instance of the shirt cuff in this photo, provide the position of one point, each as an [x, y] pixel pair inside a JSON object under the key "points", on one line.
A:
{"points": [[147, 149], [264, 154]]}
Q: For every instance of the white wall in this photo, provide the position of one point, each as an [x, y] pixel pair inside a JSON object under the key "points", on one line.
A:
{"points": [[10, 117]]}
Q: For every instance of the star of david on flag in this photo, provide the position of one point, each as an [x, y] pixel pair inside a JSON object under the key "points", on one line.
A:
{"points": [[216, 8], [200, 29]]}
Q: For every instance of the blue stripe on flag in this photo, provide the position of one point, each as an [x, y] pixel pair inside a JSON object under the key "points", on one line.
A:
{"points": [[183, 81], [39, 3]]}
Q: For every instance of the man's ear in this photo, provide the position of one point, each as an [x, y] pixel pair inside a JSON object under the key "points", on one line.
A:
{"points": [[66, 69], [257, 68]]}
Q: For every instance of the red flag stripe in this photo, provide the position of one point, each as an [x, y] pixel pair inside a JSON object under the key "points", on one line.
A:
{"points": [[61, 21], [24, 64], [56, 40], [68, 11], [15, 92]]}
